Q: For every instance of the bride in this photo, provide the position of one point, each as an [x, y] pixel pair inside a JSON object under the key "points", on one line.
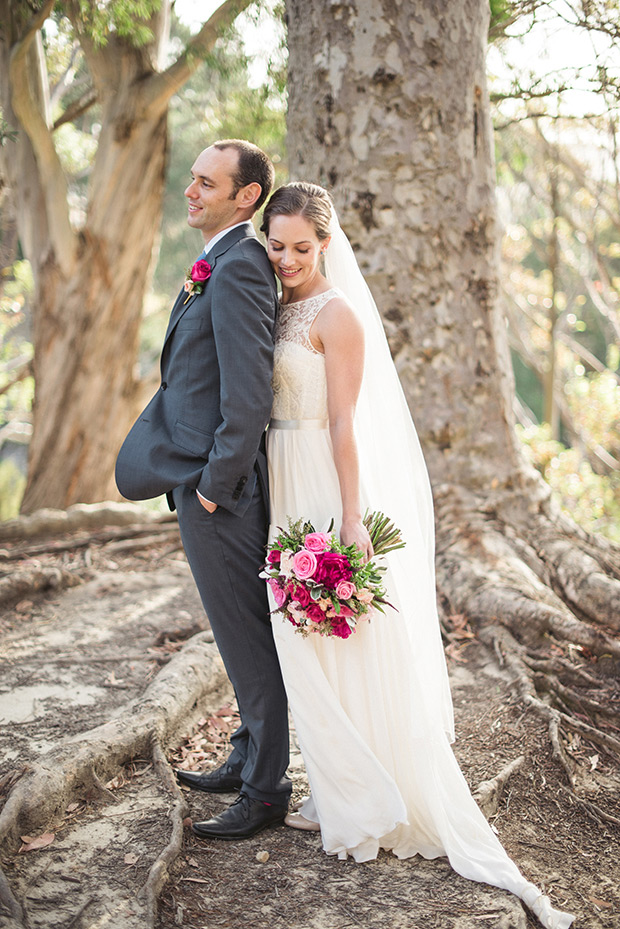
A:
{"points": [[373, 712]]}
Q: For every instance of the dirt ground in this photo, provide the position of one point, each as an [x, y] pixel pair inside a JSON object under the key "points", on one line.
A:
{"points": [[71, 660]]}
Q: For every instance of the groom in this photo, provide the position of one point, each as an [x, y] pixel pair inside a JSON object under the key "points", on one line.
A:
{"points": [[201, 441]]}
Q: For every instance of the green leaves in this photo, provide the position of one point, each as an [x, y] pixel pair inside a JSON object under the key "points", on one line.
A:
{"points": [[384, 535], [126, 18]]}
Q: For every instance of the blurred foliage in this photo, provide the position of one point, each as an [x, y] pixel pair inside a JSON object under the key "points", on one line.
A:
{"points": [[126, 18], [12, 486], [591, 499]]}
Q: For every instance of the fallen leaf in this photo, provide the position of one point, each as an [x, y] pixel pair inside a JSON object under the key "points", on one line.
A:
{"points": [[593, 759], [195, 880], [262, 857], [601, 903], [131, 858], [72, 807], [32, 843], [23, 606]]}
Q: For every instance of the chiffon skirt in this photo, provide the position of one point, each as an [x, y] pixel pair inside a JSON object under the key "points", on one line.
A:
{"points": [[381, 773]]}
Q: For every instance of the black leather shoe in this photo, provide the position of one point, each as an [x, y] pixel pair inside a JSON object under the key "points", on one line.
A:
{"points": [[243, 819], [220, 781]]}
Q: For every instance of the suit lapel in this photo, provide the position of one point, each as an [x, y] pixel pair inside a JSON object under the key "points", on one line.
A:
{"points": [[220, 247]]}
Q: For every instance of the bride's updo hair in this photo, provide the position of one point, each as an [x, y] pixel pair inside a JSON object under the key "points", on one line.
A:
{"points": [[301, 199]]}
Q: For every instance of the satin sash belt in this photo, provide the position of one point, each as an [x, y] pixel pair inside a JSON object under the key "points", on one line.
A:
{"points": [[298, 423]]}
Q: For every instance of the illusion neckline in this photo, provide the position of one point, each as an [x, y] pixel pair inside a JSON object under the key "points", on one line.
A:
{"points": [[307, 299]]}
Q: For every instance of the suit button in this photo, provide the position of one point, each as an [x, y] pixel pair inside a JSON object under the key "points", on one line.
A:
{"points": [[164, 385]]}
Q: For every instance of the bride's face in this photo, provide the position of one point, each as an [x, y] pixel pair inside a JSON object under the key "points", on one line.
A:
{"points": [[294, 249]]}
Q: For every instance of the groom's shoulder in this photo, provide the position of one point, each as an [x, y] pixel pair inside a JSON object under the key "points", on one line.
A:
{"points": [[247, 249]]}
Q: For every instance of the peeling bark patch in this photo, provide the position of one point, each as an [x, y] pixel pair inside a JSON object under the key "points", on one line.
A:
{"points": [[364, 205], [383, 77], [394, 315], [433, 53], [443, 438], [482, 291]]}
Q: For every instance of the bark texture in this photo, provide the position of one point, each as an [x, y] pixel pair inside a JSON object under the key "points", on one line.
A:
{"points": [[388, 108]]}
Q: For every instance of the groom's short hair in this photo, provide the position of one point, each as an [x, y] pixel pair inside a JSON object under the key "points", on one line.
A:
{"points": [[254, 167]]}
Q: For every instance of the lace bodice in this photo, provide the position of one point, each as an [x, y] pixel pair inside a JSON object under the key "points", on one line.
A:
{"points": [[299, 385]]}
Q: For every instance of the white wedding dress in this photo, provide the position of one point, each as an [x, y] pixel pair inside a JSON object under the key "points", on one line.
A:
{"points": [[380, 775]]}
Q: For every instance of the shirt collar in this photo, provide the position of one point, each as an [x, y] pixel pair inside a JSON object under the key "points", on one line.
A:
{"points": [[220, 235]]}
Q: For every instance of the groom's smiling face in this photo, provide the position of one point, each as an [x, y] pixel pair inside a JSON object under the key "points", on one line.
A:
{"points": [[211, 204]]}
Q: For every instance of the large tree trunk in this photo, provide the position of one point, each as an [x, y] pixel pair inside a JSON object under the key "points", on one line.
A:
{"points": [[91, 277], [388, 107]]}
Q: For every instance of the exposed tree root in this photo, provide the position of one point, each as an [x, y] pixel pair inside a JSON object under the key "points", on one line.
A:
{"points": [[90, 516], [488, 793], [158, 874], [11, 907], [594, 811], [28, 581], [169, 705], [133, 535], [545, 595]]}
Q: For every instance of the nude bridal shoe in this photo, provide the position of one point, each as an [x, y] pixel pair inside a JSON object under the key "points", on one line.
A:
{"points": [[297, 821]]}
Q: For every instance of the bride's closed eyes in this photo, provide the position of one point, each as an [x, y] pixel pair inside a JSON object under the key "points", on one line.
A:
{"points": [[280, 248]]}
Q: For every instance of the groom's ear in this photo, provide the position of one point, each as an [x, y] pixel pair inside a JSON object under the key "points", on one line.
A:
{"points": [[248, 195]]}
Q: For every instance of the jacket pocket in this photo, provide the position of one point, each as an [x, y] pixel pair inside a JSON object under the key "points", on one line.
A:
{"points": [[192, 439]]}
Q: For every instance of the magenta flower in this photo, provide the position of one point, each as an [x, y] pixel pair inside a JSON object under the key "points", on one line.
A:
{"points": [[201, 271], [333, 568]]}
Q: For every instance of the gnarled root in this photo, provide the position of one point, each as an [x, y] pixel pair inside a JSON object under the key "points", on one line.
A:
{"points": [[160, 868], [169, 706], [545, 596]]}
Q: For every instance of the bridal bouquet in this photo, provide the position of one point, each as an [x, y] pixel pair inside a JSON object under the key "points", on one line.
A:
{"points": [[322, 586]]}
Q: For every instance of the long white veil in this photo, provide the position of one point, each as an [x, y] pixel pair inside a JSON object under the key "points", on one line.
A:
{"points": [[394, 479]]}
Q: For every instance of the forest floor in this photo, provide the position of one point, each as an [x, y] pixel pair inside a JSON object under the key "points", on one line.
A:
{"points": [[73, 659]]}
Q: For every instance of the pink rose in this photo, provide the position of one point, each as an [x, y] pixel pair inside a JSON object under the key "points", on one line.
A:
{"points": [[279, 595], [304, 564], [365, 596], [201, 271], [333, 568], [317, 541], [274, 556], [345, 590], [187, 286]]}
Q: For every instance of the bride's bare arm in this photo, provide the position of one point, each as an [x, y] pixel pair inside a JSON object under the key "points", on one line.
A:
{"points": [[339, 335]]}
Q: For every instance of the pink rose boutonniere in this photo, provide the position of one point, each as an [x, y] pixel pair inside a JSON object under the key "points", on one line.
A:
{"points": [[196, 278]]}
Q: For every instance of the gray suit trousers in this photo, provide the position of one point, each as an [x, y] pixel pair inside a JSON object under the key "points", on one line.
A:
{"points": [[225, 553]]}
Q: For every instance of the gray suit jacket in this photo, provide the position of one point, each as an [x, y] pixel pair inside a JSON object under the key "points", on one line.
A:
{"points": [[205, 425]]}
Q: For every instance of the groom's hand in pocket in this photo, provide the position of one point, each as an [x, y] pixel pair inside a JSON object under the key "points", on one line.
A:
{"points": [[208, 505]]}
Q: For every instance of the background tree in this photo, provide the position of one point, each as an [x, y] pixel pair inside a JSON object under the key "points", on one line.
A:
{"points": [[389, 108], [91, 263]]}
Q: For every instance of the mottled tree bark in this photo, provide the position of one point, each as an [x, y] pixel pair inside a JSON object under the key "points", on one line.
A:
{"points": [[388, 108]]}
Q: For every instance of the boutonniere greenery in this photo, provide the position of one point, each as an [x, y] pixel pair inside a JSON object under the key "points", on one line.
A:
{"points": [[196, 277]]}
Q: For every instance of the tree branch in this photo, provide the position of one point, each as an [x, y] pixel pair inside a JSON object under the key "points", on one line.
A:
{"points": [[164, 85], [22, 373], [76, 109], [37, 20], [34, 124]]}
